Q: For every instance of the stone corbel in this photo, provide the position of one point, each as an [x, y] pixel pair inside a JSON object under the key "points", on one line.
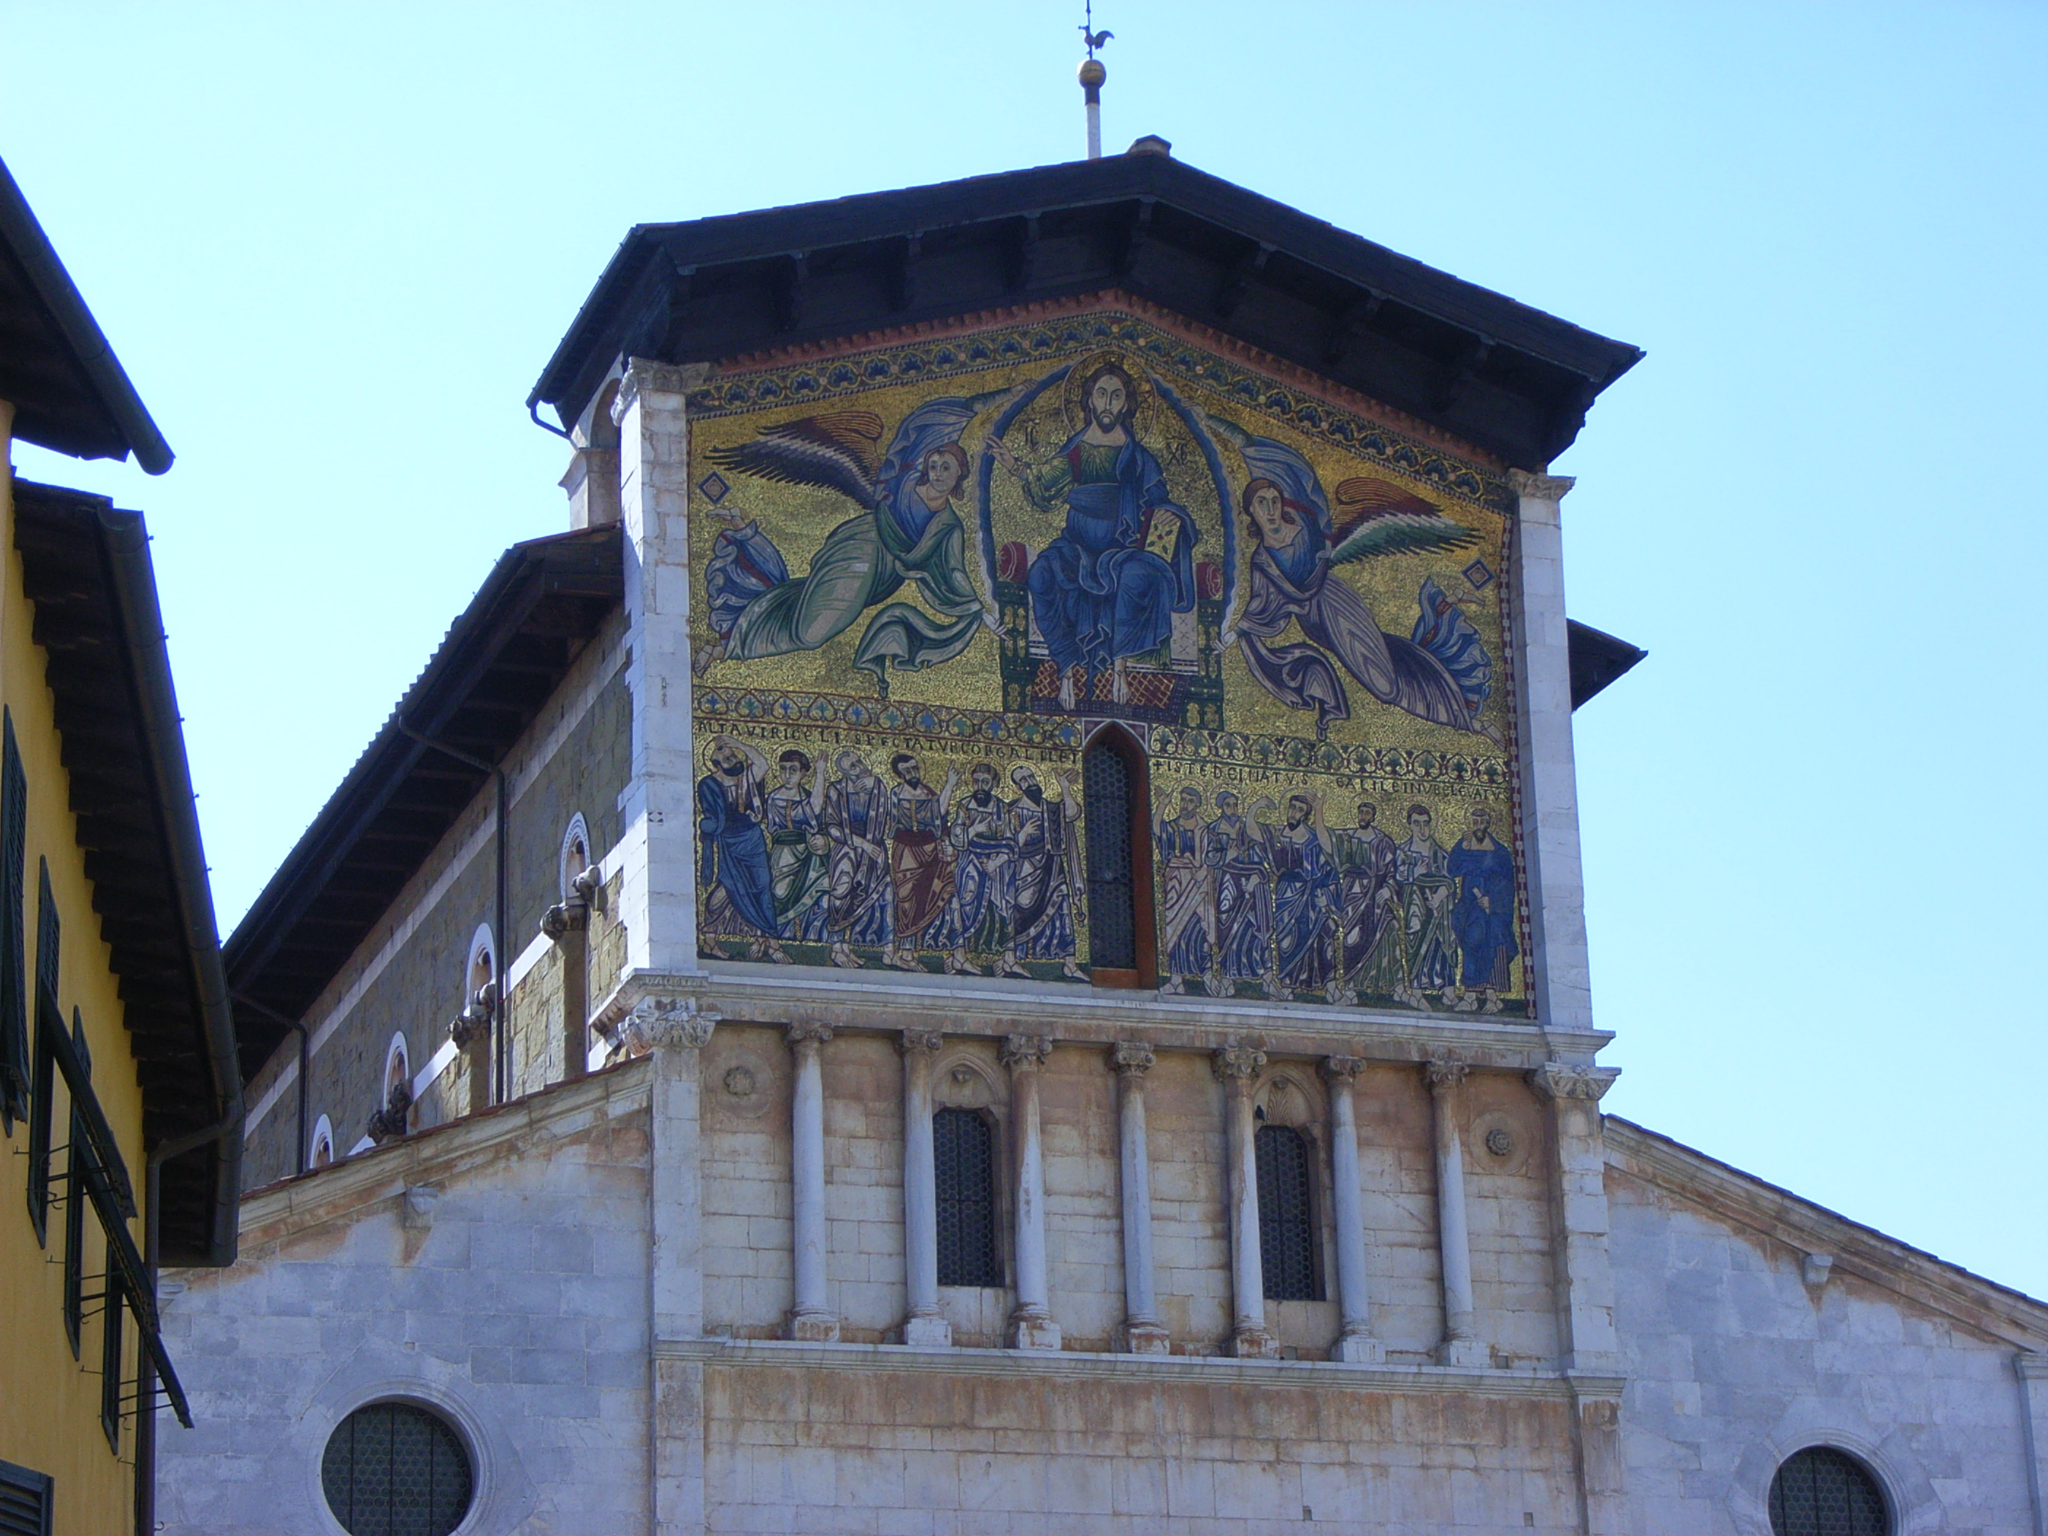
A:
{"points": [[1555, 1081], [657, 1022]]}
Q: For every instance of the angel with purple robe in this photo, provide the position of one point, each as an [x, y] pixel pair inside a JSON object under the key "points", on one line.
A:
{"points": [[1438, 672]]}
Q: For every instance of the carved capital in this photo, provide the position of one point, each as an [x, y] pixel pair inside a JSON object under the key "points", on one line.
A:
{"points": [[1445, 1072], [645, 376], [668, 1021], [813, 1035], [926, 1040], [1238, 1063], [1131, 1059], [1025, 1053], [1555, 1080], [1343, 1069], [1540, 487]]}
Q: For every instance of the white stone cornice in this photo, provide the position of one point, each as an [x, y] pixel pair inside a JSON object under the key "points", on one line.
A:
{"points": [[1104, 1369], [1555, 1080], [1540, 487]]}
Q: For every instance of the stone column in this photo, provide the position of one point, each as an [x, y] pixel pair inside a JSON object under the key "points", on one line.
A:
{"points": [[1031, 1322], [1354, 1341], [1559, 978], [812, 1318], [1578, 1213], [675, 1031], [2033, 1372], [1461, 1344], [1143, 1333], [657, 889], [922, 1324], [1237, 1067]]}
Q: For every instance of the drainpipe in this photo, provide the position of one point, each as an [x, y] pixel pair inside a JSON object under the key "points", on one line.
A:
{"points": [[501, 1054]]}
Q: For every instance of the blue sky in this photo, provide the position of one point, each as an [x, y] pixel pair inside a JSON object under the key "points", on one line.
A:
{"points": [[334, 247]]}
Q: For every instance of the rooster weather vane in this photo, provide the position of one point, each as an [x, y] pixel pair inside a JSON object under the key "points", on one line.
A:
{"points": [[1089, 35]]}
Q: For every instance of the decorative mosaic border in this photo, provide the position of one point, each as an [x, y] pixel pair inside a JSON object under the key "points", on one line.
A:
{"points": [[1299, 753], [830, 378], [935, 722]]}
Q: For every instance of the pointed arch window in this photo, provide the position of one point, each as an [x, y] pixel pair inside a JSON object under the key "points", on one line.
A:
{"points": [[1119, 861], [964, 1160]]}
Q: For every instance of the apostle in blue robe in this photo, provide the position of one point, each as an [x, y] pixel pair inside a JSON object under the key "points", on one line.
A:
{"points": [[1484, 917], [739, 900], [1107, 588], [1305, 900]]}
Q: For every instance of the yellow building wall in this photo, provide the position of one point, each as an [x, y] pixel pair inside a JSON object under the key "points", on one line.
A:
{"points": [[49, 1402]]}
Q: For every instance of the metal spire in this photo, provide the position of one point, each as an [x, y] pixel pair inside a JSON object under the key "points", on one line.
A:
{"points": [[1092, 76]]}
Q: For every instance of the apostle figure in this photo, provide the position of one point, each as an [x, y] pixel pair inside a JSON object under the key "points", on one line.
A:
{"points": [[1236, 852], [1187, 894], [858, 895], [920, 863], [739, 899], [1371, 957], [907, 530], [1305, 891], [1107, 588], [1439, 671], [1423, 867], [977, 917], [799, 862], [1484, 918], [1042, 912]]}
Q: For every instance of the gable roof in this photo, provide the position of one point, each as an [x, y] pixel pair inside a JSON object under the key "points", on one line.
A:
{"points": [[500, 663], [56, 368], [1984, 1305], [86, 568], [1510, 379]]}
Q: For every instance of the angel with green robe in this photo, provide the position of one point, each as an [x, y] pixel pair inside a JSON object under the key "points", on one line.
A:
{"points": [[907, 530]]}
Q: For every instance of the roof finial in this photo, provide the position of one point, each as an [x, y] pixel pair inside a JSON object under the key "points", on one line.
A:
{"points": [[1092, 76]]}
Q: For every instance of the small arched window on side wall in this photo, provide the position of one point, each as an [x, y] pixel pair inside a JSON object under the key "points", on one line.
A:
{"points": [[321, 1153], [964, 1160], [575, 855], [1821, 1491], [1287, 1222], [1121, 944]]}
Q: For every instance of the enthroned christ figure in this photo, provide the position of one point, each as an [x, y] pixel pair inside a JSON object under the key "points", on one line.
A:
{"points": [[1107, 588]]}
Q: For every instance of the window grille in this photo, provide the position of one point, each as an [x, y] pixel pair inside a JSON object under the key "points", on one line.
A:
{"points": [[392, 1469], [1286, 1215], [964, 1155], [110, 1362], [1112, 914], [26, 1500], [75, 1160], [14, 1057], [1822, 1492]]}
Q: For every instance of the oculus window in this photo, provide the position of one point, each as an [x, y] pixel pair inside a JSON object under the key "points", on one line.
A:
{"points": [[394, 1469]]}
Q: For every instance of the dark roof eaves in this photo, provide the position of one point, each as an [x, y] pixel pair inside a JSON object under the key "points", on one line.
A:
{"points": [[94, 355]]}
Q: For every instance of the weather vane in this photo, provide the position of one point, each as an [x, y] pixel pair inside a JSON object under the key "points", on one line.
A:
{"points": [[1092, 76]]}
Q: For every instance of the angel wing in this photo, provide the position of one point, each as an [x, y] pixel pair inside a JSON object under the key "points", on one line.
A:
{"points": [[1378, 517], [835, 452]]}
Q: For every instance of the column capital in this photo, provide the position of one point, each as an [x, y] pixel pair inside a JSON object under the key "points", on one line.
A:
{"points": [[926, 1040], [800, 1035], [1528, 486], [1445, 1072], [1131, 1059], [644, 375], [668, 1022], [1238, 1063], [1025, 1053], [1343, 1069], [1555, 1080]]}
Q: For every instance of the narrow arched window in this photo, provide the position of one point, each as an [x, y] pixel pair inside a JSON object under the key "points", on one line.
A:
{"points": [[1821, 1491], [1287, 1247], [964, 1159], [392, 1468], [1119, 862]]}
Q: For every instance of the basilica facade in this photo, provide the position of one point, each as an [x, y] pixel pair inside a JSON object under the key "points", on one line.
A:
{"points": [[993, 940]]}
